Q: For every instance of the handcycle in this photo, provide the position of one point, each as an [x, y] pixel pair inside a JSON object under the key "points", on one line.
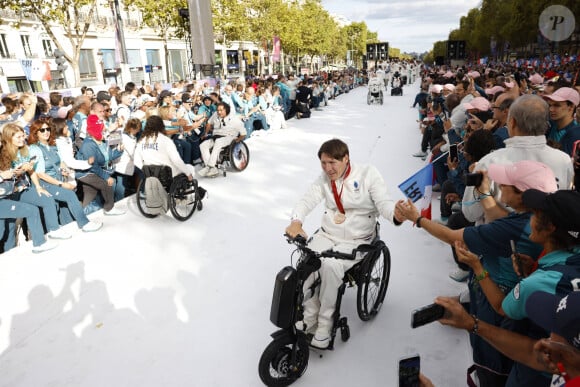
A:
{"points": [[184, 196], [286, 357]]}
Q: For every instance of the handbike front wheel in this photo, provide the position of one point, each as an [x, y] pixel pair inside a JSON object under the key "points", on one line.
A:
{"points": [[276, 368]]}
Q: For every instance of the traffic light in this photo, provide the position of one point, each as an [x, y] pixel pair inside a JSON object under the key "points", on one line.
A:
{"points": [[60, 60]]}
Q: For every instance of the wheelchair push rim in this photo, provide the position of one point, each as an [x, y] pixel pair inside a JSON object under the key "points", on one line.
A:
{"points": [[372, 288], [183, 200], [239, 156]]}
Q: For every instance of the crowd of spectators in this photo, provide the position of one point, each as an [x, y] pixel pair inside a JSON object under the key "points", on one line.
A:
{"points": [[510, 211], [81, 150]]}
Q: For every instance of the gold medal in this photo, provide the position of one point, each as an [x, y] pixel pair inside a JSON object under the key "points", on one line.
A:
{"points": [[339, 218]]}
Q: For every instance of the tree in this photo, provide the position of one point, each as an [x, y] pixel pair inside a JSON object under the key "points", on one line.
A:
{"points": [[74, 17], [162, 17]]}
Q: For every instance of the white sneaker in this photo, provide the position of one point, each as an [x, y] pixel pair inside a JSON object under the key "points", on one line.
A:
{"points": [[203, 172], [420, 154], [59, 234], [48, 245], [92, 226], [459, 275], [114, 211], [321, 339], [213, 171]]}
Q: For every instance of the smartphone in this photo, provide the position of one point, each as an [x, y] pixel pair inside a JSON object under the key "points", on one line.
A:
{"points": [[473, 179], [409, 369], [426, 315], [453, 152], [517, 258]]}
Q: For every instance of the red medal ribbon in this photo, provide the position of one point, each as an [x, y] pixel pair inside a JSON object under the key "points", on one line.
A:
{"points": [[337, 195]]}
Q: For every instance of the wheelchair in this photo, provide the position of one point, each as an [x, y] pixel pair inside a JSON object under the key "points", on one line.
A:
{"points": [[235, 156], [184, 196], [286, 357]]}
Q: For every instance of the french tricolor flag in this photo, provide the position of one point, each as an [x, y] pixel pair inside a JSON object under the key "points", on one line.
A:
{"points": [[419, 189]]}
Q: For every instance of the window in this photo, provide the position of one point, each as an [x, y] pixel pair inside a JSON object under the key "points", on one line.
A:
{"points": [[3, 47], [153, 57], [87, 64], [47, 46], [25, 39]]}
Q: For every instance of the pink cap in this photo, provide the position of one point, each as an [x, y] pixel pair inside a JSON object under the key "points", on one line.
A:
{"points": [[536, 79], [448, 74], [494, 90], [436, 89], [474, 74], [478, 103], [449, 86], [565, 94], [509, 85], [524, 175], [63, 111]]}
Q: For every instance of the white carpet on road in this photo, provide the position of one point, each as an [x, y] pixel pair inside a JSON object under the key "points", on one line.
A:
{"points": [[157, 302]]}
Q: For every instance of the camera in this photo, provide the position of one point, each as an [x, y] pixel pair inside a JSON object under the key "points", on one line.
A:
{"points": [[473, 179]]}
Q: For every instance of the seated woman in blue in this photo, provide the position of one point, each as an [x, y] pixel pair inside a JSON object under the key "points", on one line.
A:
{"points": [[98, 177], [48, 167], [10, 210], [15, 156]]}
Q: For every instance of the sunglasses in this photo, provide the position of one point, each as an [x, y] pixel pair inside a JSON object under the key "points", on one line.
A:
{"points": [[107, 110], [42, 130]]}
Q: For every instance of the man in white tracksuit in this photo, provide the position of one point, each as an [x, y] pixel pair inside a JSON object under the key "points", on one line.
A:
{"points": [[354, 196], [226, 128]]}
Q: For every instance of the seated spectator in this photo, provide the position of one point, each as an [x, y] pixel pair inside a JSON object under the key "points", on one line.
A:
{"points": [[11, 209], [124, 165], [98, 179], [251, 112], [274, 113], [27, 188], [64, 146], [177, 129], [222, 129], [49, 169], [55, 104]]}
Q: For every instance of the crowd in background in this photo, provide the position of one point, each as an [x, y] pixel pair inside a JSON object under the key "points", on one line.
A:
{"points": [[64, 157], [505, 147]]}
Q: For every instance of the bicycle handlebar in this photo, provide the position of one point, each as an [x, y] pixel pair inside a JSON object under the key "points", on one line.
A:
{"points": [[300, 242]]}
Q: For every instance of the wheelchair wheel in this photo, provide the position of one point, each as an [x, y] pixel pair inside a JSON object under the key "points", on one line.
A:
{"points": [[239, 156], [182, 199], [276, 368], [140, 198], [373, 284]]}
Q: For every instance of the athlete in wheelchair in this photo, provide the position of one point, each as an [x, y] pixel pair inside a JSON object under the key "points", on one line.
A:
{"points": [[223, 145], [346, 249], [174, 186]]}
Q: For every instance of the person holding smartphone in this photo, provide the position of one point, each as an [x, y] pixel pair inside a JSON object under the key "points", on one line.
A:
{"points": [[15, 156], [48, 168]]}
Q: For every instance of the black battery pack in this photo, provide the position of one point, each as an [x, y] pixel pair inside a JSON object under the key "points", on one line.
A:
{"points": [[283, 299]]}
